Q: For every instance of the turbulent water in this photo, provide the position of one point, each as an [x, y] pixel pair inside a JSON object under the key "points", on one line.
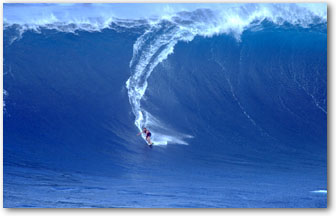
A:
{"points": [[235, 99]]}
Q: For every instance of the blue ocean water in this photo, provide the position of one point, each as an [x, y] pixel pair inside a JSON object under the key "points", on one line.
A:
{"points": [[238, 112]]}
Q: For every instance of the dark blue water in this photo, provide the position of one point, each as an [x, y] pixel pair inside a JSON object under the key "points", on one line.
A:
{"points": [[235, 122]]}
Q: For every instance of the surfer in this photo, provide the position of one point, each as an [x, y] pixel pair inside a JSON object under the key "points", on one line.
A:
{"points": [[148, 135]]}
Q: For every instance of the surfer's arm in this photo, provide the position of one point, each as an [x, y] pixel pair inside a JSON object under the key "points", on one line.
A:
{"points": [[139, 133]]}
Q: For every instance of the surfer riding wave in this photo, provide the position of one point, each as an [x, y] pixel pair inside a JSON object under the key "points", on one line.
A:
{"points": [[148, 135]]}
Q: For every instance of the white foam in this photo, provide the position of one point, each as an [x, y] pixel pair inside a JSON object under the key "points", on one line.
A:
{"points": [[319, 191], [5, 94], [221, 18]]}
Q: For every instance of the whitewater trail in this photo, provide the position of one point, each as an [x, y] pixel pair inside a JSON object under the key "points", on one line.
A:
{"points": [[149, 50]]}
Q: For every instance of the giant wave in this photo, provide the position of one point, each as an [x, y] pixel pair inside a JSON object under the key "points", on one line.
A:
{"points": [[241, 88]]}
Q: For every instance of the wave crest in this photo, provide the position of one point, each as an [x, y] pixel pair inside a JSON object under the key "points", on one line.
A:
{"points": [[207, 20]]}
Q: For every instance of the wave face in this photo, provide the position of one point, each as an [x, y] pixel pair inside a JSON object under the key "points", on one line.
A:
{"points": [[244, 90]]}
